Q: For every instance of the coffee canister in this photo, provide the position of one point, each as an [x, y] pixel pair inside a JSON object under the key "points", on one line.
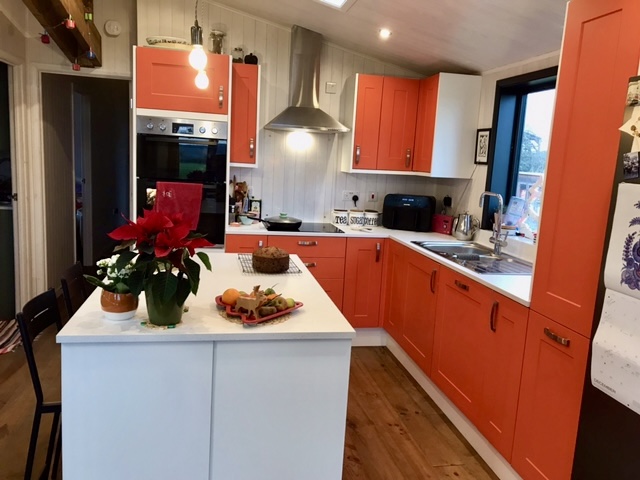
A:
{"points": [[340, 217], [371, 218], [356, 218]]}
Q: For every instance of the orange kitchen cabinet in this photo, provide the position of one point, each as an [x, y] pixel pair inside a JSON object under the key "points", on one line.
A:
{"points": [[363, 281], [366, 130], [419, 309], [395, 267], [243, 243], [600, 52], [244, 113], [553, 372], [397, 123], [426, 123], [166, 81]]}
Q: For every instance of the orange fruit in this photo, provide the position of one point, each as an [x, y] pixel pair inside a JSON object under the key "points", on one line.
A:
{"points": [[230, 296]]}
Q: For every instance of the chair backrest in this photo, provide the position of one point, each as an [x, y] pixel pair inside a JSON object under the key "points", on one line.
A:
{"points": [[37, 314], [74, 288]]}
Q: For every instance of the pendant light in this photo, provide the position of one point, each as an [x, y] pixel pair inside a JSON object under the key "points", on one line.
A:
{"points": [[197, 57]]}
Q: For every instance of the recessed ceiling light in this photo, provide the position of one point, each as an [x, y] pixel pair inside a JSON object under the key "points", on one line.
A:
{"points": [[385, 33], [334, 3]]}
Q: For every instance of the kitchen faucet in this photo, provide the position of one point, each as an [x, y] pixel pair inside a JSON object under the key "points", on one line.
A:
{"points": [[498, 243]]}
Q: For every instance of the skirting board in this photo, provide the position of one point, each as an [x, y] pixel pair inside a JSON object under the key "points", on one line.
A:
{"points": [[376, 337]]}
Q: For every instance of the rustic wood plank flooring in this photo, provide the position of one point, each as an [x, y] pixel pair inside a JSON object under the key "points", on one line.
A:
{"points": [[394, 431]]}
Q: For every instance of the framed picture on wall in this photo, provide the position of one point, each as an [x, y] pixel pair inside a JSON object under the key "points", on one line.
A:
{"points": [[482, 146]]}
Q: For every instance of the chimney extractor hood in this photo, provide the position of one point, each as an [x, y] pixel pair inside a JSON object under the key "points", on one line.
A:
{"points": [[304, 111]]}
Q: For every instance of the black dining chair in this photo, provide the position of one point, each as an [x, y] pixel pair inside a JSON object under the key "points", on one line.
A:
{"points": [[74, 288], [38, 314]]}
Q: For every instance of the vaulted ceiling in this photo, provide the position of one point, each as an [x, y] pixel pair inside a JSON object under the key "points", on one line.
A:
{"points": [[428, 35]]}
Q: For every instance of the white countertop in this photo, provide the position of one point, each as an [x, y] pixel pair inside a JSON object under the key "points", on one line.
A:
{"points": [[515, 287], [319, 318]]}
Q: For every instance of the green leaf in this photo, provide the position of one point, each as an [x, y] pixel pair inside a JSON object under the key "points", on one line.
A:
{"points": [[163, 286], [184, 288], [122, 287], [125, 245], [98, 283], [124, 259], [193, 272], [136, 282], [204, 258]]}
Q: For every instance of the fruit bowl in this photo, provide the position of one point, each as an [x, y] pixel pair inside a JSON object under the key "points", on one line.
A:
{"points": [[251, 320]]}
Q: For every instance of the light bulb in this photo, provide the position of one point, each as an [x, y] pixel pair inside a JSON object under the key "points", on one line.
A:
{"points": [[202, 81], [197, 57]]}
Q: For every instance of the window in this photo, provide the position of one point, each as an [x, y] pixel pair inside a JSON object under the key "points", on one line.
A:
{"points": [[522, 124]]}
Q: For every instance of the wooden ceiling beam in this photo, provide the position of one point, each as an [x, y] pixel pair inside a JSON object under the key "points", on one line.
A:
{"points": [[75, 43]]}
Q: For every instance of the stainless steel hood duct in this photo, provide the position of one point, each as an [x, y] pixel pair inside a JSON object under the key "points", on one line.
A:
{"points": [[303, 113]]}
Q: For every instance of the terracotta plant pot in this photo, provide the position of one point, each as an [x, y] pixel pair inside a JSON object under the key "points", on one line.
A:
{"points": [[118, 306], [162, 313]]}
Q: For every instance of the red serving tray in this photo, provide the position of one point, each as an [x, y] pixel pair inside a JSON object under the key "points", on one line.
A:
{"points": [[250, 320]]}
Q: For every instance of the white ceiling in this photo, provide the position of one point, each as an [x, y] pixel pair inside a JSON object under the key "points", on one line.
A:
{"points": [[466, 36]]}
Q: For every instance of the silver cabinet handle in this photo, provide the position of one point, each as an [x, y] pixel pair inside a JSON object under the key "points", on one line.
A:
{"points": [[252, 147], [260, 243], [556, 338], [357, 154], [378, 249], [308, 244], [407, 162], [433, 281], [494, 314], [311, 264], [461, 285], [221, 96]]}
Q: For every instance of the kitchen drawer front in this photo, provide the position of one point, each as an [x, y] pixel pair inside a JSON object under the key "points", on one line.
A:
{"points": [[244, 243], [310, 246], [334, 287], [325, 267]]}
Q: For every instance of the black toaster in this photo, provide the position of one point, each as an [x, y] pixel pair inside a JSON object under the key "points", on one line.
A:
{"points": [[408, 212]]}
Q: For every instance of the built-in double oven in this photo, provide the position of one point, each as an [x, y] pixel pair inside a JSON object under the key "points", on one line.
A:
{"points": [[187, 151]]}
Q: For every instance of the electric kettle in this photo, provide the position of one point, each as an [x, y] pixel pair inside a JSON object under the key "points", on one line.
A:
{"points": [[464, 226]]}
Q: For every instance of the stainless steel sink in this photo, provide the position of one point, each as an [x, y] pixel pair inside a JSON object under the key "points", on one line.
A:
{"points": [[478, 258]]}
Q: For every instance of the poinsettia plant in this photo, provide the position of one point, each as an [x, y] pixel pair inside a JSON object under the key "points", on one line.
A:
{"points": [[164, 246]]}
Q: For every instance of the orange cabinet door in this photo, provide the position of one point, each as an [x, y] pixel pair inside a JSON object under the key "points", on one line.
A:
{"points": [[396, 289], [505, 333], [599, 54], [367, 123], [426, 123], [310, 246], [334, 288], [419, 309], [166, 81], [555, 360], [244, 243], [362, 281], [244, 113], [459, 345], [397, 123]]}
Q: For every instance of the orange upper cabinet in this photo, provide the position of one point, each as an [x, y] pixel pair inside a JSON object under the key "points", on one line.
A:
{"points": [[401, 125], [397, 123], [367, 121], [244, 113], [166, 81], [599, 54]]}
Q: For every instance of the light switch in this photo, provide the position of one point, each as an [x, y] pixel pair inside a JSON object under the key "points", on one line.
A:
{"points": [[331, 87]]}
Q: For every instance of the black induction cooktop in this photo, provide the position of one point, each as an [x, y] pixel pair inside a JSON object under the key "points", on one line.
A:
{"points": [[319, 228]]}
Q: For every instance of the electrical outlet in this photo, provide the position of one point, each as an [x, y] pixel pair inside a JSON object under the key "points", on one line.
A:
{"points": [[347, 195], [372, 197]]}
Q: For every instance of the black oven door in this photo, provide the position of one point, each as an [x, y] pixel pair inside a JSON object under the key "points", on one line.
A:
{"points": [[181, 159]]}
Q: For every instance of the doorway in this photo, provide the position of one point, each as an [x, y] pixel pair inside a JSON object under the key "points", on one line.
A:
{"points": [[86, 135]]}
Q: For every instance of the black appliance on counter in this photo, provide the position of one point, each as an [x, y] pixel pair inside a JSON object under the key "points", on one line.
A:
{"points": [[408, 212], [189, 151]]}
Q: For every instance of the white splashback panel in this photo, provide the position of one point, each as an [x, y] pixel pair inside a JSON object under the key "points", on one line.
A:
{"points": [[307, 184]]}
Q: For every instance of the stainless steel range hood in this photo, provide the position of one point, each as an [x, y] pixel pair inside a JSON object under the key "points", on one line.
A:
{"points": [[303, 113]]}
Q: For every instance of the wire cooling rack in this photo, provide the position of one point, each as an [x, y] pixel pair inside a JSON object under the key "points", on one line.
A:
{"points": [[247, 266]]}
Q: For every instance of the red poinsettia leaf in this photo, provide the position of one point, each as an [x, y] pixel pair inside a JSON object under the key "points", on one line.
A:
{"points": [[178, 233], [197, 243], [126, 232], [163, 246], [153, 222]]}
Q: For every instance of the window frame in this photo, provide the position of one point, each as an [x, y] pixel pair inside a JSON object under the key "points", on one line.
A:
{"points": [[507, 129]]}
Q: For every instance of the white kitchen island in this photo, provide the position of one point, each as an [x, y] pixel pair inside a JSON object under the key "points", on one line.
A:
{"points": [[209, 399]]}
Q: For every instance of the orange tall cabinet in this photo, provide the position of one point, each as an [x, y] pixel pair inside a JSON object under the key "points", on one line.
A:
{"points": [[166, 81], [245, 97], [600, 52]]}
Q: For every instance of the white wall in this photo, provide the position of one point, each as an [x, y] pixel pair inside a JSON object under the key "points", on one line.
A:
{"points": [[307, 185], [466, 193]]}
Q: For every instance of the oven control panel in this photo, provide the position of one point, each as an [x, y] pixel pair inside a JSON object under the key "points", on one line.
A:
{"points": [[176, 127]]}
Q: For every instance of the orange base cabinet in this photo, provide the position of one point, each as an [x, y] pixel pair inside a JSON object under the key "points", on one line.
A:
{"points": [[395, 268], [363, 281], [244, 243], [555, 361], [166, 81], [244, 113]]}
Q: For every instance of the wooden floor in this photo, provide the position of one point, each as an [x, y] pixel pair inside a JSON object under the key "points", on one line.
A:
{"points": [[394, 431]]}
